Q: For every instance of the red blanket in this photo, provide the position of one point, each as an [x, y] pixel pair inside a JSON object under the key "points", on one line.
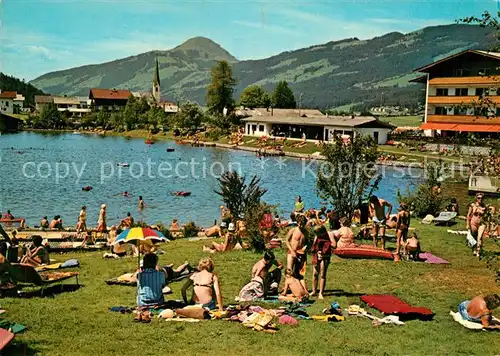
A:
{"points": [[389, 304]]}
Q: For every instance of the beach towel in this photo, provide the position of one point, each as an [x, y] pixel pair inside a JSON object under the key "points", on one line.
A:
{"points": [[470, 324], [471, 241], [5, 338], [252, 290], [68, 264], [430, 258], [390, 304]]}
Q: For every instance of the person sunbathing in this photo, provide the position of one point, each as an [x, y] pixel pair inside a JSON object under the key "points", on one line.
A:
{"points": [[293, 285], [150, 282], [231, 242], [38, 255], [44, 223], [56, 223], [215, 230], [127, 222], [205, 284], [479, 310], [412, 247], [344, 235], [174, 227]]}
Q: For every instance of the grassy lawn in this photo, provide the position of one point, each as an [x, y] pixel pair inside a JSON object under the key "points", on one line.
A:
{"points": [[403, 120], [79, 323]]}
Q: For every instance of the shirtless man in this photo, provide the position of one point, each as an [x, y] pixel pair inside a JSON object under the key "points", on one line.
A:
{"points": [[127, 222], [379, 217], [44, 223], [295, 243], [294, 285], [270, 279], [141, 203], [402, 226]]}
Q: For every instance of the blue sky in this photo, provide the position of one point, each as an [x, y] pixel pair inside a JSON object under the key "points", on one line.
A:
{"points": [[39, 36]]}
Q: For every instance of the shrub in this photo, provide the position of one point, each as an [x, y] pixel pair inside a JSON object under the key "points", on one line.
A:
{"points": [[190, 229]]}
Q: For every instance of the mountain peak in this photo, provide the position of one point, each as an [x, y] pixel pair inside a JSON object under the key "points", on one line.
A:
{"points": [[208, 49]]}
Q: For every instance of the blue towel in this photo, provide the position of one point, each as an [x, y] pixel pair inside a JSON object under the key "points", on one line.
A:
{"points": [[70, 263]]}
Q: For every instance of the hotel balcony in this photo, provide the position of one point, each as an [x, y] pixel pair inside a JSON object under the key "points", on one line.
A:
{"points": [[457, 100], [493, 80], [463, 119]]}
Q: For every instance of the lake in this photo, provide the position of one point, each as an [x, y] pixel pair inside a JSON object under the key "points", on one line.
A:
{"points": [[43, 174]]}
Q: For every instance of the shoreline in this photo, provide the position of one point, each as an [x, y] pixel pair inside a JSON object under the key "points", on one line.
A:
{"points": [[143, 134]]}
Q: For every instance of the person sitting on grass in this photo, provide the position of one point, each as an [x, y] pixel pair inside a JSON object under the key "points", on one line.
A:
{"points": [[293, 284], [231, 242], [150, 282], [37, 255], [206, 289], [263, 282], [412, 247], [174, 227], [345, 235], [479, 310]]}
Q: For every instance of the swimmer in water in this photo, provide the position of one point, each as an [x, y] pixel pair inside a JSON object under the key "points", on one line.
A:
{"points": [[142, 205]]}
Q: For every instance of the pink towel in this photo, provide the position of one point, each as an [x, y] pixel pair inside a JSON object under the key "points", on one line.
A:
{"points": [[430, 258]]}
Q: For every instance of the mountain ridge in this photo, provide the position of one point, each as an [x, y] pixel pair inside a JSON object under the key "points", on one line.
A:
{"points": [[329, 74]]}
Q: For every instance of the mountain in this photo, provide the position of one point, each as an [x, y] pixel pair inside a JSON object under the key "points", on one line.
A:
{"points": [[8, 83], [331, 74]]}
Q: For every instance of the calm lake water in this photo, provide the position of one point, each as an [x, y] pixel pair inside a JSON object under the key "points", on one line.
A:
{"points": [[30, 186]]}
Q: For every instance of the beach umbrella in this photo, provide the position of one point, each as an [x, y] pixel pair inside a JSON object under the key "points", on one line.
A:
{"points": [[138, 234]]}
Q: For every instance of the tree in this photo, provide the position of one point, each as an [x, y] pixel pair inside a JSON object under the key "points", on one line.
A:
{"points": [[102, 119], [50, 117], [348, 174], [484, 105], [116, 121], [239, 196], [156, 116], [255, 97], [283, 97], [220, 90], [189, 116], [131, 113]]}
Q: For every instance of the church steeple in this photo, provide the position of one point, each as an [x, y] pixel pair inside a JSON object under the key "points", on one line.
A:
{"points": [[156, 83]]}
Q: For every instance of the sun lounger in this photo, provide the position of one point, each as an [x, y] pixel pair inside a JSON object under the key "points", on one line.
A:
{"points": [[446, 218], [68, 264], [28, 275]]}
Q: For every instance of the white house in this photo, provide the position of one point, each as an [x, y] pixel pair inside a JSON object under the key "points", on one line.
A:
{"points": [[322, 128], [7, 101]]}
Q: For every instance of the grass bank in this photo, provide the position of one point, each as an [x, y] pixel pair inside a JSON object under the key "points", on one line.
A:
{"points": [[79, 323]]}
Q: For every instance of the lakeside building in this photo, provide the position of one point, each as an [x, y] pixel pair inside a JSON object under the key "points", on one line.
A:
{"points": [[109, 99], [71, 106], [11, 102], [454, 88], [311, 124]]}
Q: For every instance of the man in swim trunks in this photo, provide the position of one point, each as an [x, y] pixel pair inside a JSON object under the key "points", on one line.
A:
{"points": [[299, 205], [379, 217], [295, 242], [479, 310]]}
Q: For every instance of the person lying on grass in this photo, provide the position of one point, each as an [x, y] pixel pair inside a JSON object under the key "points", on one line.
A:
{"points": [[151, 280], [479, 310], [293, 284], [205, 284], [37, 255], [232, 241]]}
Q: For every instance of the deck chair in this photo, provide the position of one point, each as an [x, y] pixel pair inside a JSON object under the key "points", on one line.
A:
{"points": [[21, 273], [445, 218]]}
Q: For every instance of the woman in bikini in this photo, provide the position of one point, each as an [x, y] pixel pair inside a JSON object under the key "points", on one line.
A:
{"points": [[402, 226], [205, 284], [475, 223], [81, 225], [321, 255]]}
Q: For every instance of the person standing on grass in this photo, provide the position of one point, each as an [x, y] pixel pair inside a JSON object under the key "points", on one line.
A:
{"points": [[321, 250], [295, 242], [101, 222], [402, 226], [475, 221], [379, 218]]}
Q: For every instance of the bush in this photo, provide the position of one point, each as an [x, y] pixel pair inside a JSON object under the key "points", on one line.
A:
{"points": [[190, 229], [252, 219]]}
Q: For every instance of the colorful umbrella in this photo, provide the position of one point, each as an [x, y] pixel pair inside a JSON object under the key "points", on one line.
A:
{"points": [[137, 234]]}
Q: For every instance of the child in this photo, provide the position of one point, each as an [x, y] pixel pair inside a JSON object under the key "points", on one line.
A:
{"points": [[412, 247], [294, 285]]}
